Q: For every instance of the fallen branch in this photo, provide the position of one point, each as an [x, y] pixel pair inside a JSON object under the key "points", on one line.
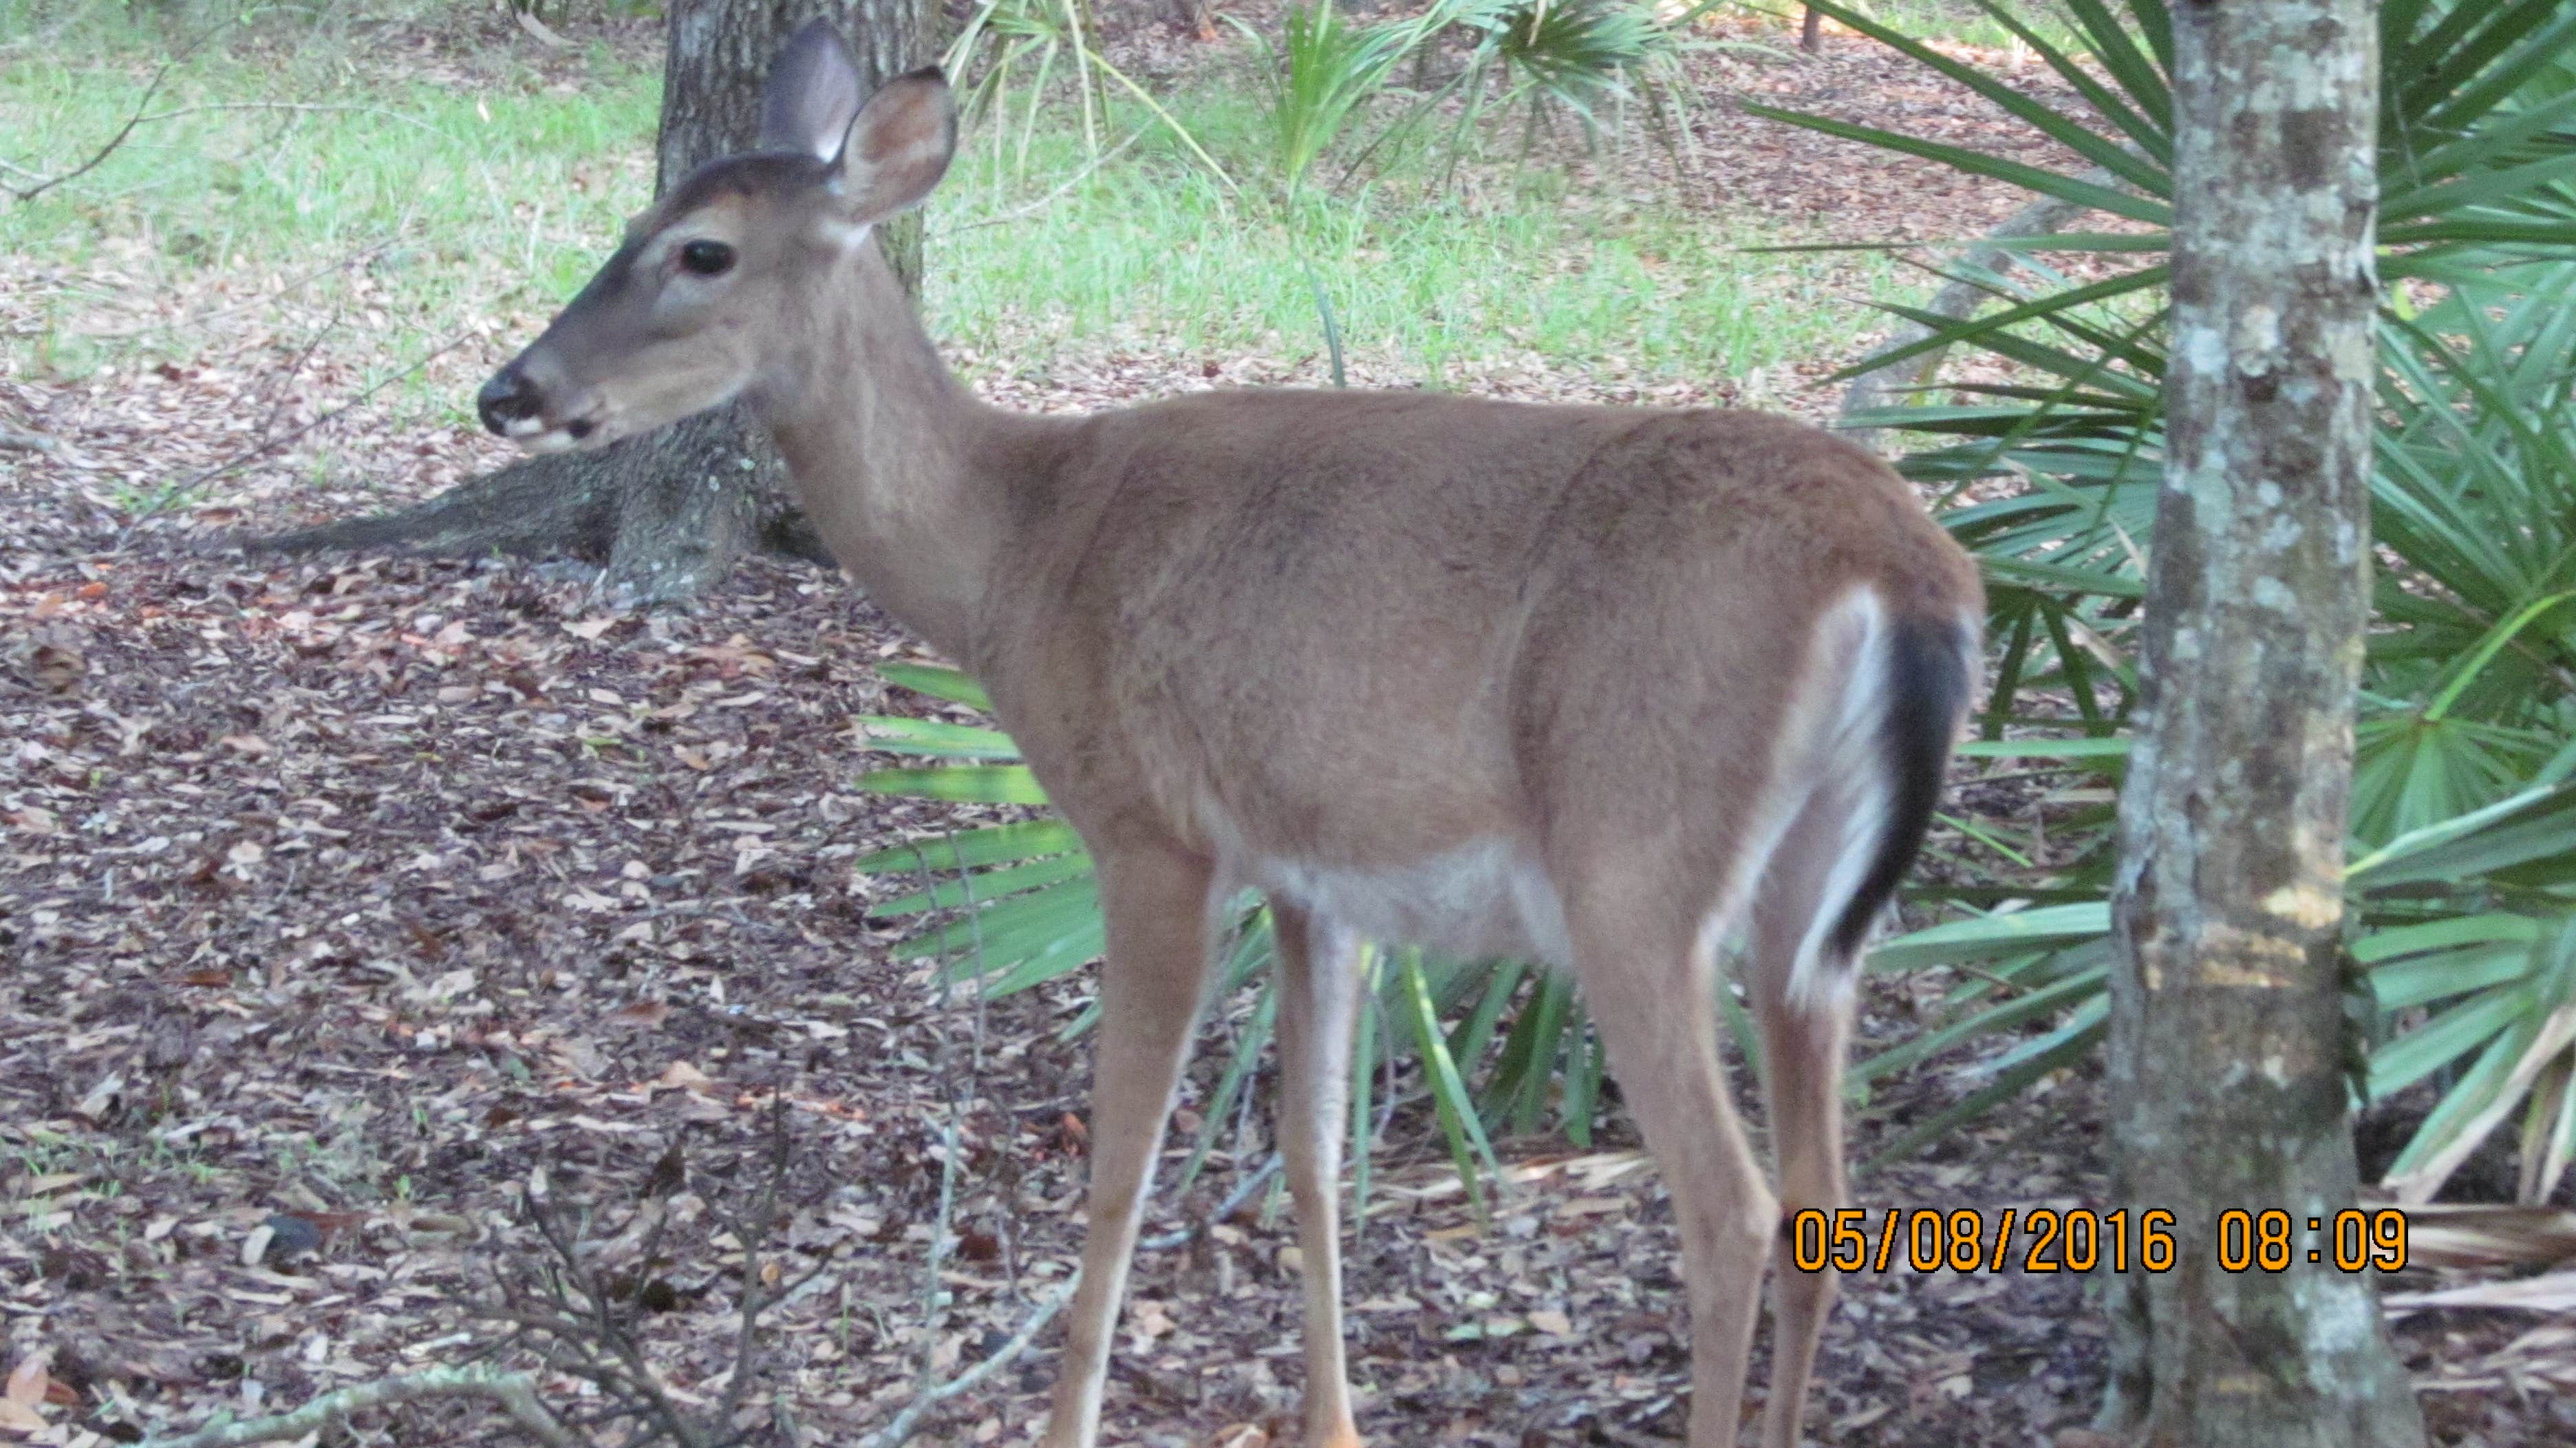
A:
{"points": [[20, 440], [515, 1394]]}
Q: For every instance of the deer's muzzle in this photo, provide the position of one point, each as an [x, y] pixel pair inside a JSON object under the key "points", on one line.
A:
{"points": [[516, 405]]}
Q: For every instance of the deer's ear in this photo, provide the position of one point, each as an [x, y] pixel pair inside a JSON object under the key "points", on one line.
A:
{"points": [[813, 94], [899, 146]]}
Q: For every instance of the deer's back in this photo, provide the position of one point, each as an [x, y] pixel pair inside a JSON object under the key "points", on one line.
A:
{"points": [[1257, 607]]}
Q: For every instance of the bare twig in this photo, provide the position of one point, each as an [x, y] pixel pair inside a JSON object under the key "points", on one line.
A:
{"points": [[757, 1298], [908, 1422], [165, 496], [141, 112], [285, 378], [1972, 276], [952, 1133], [289, 287], [1022, 213], [177, 111], [580, 1328], [952, 1129], [1234, 1200], [515, 1394]]}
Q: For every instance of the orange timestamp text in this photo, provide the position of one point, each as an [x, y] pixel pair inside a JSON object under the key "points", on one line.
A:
{"points": [[2080, 1239]]}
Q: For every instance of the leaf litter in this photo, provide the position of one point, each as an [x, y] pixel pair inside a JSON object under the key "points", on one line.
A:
{"points": [[348, 901]]}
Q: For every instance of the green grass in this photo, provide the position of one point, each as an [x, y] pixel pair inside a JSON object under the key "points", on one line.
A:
{"points": [[1439, 285], [494, 196], [460, 196]]}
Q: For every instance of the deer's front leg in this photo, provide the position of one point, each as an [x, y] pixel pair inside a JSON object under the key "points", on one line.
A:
{"points": [[1156, 906], [1319, 993]]}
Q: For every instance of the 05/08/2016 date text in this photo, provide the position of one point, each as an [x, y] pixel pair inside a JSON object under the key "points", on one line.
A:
{"points": [[2080, 1239]]}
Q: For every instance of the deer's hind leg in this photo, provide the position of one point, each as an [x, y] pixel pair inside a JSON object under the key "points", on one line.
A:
{"points": [[1648, 972], [1800, 975]]}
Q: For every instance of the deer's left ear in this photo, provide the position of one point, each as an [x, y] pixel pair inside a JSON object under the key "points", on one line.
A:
{"points": [[813, 93], [898, 148]]}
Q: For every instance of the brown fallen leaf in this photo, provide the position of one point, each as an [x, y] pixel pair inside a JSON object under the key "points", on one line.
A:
{"points": [[686, 1077], [28, 1386], [56, 663], [647, 1014], [33, 820]]}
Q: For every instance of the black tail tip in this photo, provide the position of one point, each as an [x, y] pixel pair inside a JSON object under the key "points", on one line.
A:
{"points": [[1927, 694]]}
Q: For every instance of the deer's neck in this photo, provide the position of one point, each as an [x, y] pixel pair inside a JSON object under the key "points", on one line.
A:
{"points": [[903, 472]]}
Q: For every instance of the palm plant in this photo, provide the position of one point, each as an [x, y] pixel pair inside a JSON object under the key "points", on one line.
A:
{"points": [[2470, 691], [2463, 807], [1323, 71], [1023, 909], [1010, 43], [1575, 56]]}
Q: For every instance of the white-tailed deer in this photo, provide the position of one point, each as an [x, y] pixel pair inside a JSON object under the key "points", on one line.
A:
{"points": [[1600, 687]]}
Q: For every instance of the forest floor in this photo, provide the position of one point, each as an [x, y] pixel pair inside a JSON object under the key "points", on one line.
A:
{"points": [[351, 907]]}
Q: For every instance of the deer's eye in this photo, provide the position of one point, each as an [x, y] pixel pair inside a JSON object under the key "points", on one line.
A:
{"points": [[706, 258]]}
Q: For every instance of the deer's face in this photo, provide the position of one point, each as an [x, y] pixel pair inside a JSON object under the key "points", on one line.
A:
{"points": [[719, 281]]}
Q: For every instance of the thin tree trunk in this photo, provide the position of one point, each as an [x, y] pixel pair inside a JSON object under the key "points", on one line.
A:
{"points": [[2228, 1041], [669, 513], [1811, 34], [1976, 274]]}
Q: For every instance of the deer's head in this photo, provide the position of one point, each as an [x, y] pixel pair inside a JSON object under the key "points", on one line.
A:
{"points": [[703, 301]]}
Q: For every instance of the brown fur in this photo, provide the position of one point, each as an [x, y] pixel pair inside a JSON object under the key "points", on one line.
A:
{"points": [[1355, 631]]}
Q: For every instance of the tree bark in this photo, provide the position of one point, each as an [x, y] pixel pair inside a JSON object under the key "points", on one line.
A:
{"points": [[2227, 1063], [669, 513]]}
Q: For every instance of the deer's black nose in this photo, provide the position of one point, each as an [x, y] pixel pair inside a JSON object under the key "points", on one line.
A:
{"points": [[509, 397]]}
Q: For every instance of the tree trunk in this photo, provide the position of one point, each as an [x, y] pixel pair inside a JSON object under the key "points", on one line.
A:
{"points": [[2228, 1045], [668, 513], [1811, 32]]}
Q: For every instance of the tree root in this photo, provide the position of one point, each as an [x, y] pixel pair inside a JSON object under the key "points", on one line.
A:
{"points": [[545, 507], [664, 516]]}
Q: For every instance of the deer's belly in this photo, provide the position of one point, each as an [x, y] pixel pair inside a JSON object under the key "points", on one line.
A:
{"points": [[1488, 897]]}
